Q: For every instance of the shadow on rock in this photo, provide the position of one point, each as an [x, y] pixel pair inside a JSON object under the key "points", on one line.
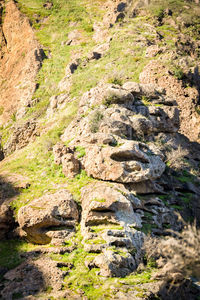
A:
{"points": [[7, 222], [186, 290]]}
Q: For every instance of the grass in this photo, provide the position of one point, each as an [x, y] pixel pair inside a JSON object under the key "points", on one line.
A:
{"points": [[101, 200], [81, 151], [93, 286], [10, 252], [75, 185], [104, 227]]}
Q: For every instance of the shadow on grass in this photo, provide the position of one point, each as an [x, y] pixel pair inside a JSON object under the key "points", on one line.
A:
{"points": [[18, 276]]}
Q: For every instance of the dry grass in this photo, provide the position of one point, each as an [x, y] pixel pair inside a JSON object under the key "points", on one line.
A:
{"points": [[178, 256], [175, 158]]}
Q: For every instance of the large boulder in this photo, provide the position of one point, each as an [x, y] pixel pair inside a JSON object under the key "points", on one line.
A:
{"points": [[108, 227], [133, 111], [126, 163], [22, 135], [51, 218], [65, 156], [104, 203]]}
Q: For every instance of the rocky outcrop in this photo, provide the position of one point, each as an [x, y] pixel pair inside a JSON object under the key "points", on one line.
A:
{"points": [[119, 129], [130, 162], [108, 227], [22, 135], [51, 218], [65, 156], [21, 58], [32, 276], [187, 98], [112, 223], [122, 115]]}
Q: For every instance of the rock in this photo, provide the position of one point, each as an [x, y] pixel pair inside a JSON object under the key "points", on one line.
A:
{"points": [[32, 276], [70, 165], [21, 59], [110, 109], [101, 33], [64, 155], [56, 102], [74, 37], [59, 150], [185, 97], [130, 162], [164, 118], [22, 135], [152, 51], [145, 187], [108, 222], [114, 265], [148, 90], [141, 125], [105, 94], [7, 221], [99, 51], [50, 217], [48, 5], [105, 204]]}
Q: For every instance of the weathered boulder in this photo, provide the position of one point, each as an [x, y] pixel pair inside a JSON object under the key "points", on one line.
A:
{"points": [[108, 226], [104, 203], [59, 150], [112, 264], [129, 162], [105, 94], [164, 118], [148, 90], [51, 217], [57, 102], [70, 165], [124, 112], [22, 135], [65, 156]]}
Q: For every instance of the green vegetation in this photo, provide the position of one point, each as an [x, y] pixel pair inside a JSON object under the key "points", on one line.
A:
{"points": [[101, 200], [87, 280], [178, 73], [1, 110], [101, 228], [10, 252], [81, 151], [75, 184]]}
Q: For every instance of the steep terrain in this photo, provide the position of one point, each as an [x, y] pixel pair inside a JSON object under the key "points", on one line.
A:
{"points": [[100, 115]]}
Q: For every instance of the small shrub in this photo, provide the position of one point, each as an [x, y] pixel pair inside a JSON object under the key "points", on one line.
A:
{"points": [[178, 73], [180, 254], [96, 119], [115, 80], [175, 158]]}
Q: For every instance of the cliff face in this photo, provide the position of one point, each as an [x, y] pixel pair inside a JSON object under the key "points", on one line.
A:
{"points": [[104, 153], [21, 58]]}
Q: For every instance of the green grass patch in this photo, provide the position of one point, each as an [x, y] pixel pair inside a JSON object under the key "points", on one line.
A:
{"points": [[75, 184], [81, 151], [10, 252]]}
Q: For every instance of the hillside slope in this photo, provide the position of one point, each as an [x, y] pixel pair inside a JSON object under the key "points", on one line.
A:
{"points": [[100, 115]]}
